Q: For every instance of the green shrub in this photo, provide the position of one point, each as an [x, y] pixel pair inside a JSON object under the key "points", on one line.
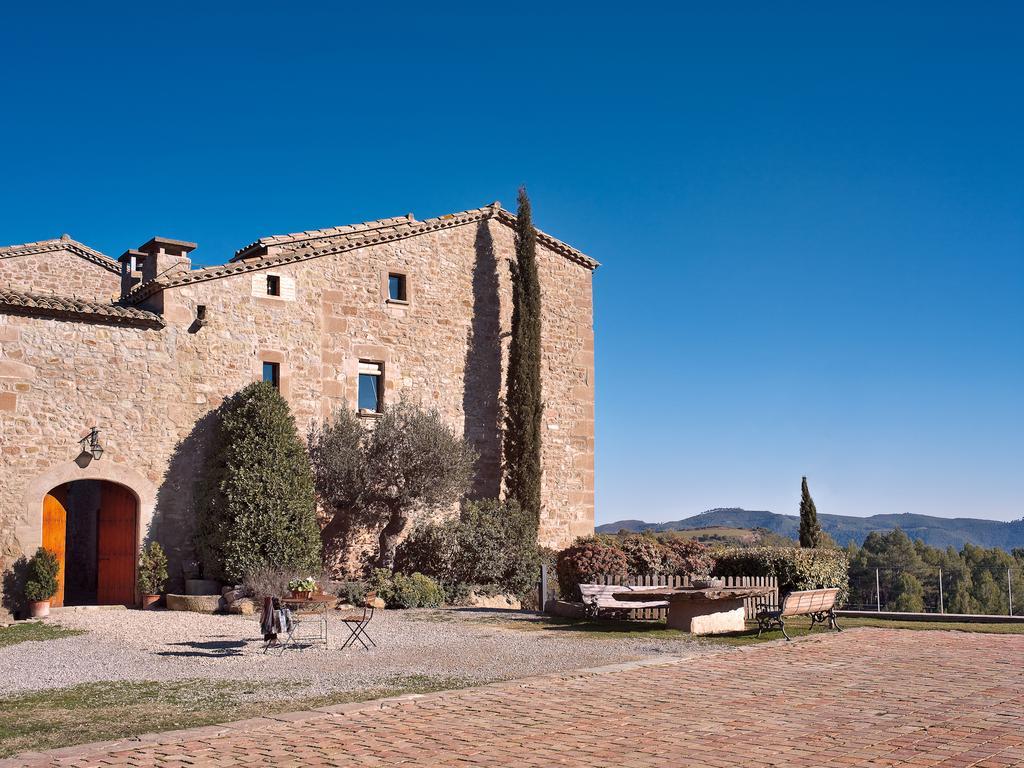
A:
{"points": [[353, 592], [497, 544], [644, 554], [586, 558], [152, 569], [490, 543], [458, 594], [688, 557], [41, 576], [257, 507], [795, 568], [400, 591], [431, 548]]}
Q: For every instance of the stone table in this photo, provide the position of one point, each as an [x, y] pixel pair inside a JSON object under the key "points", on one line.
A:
{"points": [[701, 611]]}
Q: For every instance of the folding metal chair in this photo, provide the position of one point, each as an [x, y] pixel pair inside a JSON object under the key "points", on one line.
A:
{"points": [[275, 621], [357, 624]]}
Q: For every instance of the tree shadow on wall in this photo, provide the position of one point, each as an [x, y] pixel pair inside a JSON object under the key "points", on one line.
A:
{"points": [[482, 386], [176, 514], [13, 595]]}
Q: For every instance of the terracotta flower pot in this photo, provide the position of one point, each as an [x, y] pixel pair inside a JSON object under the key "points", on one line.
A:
{"points": [[302, 594], [38, 609], [149, 602]]}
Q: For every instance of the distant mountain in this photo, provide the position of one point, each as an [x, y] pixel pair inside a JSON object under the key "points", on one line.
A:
{"points": [[934, 531]]}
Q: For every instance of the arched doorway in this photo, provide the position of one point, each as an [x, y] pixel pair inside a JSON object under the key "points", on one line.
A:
{"points": [[92, 526]]}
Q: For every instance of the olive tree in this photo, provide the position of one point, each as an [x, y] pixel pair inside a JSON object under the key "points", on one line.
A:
{"points": [[407, 463]]}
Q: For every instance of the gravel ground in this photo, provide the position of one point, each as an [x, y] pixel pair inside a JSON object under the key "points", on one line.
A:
{"points": [[463, 645]]}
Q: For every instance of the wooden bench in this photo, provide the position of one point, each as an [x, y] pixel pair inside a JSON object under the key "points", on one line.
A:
{"points": [[819, 604], [599, 597]]}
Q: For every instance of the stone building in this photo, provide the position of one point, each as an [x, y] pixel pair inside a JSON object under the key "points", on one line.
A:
{"points": [[145, 347]]}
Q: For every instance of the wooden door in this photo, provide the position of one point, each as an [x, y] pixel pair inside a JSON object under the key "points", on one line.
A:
{"points": [[55, 523], [116, 544]]}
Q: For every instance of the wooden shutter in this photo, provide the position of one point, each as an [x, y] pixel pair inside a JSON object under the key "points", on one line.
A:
{"points": [[55, 522], [115, 582]]}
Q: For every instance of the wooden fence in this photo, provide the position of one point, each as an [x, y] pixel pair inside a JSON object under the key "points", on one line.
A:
{"points": [[660, 580]]}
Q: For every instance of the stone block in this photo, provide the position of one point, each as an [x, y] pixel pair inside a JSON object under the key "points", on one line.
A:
{"points": [[246, 606], [12, 369], [565, 609], [195, 603], [503, 602], [707, 617], [202, 587]]}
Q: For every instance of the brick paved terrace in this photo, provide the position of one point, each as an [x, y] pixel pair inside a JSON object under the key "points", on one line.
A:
{"points": [[866, 697]]}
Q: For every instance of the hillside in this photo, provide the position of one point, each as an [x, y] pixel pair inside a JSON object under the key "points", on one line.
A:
{"points": [[717, 534], [934, 531]]}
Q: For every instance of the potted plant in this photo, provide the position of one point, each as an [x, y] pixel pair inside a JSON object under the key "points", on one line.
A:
{"points": [[302, 587], [41, 582], [152, 574]]}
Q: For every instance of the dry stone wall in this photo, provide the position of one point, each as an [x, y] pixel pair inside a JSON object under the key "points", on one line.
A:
{"points": [[60, 272]]}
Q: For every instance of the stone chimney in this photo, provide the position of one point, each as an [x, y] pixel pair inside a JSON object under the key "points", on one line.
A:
{"points": [[131, 270], [164, 258]]}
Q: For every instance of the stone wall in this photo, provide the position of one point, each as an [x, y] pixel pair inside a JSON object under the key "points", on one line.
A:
{"points": [[60, 272], [151, 391]]}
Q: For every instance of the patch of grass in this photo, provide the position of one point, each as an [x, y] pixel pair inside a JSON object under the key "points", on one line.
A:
{"points": [[609, 629], [956, 626], [100, 711], [799, 627], [34, 630]]}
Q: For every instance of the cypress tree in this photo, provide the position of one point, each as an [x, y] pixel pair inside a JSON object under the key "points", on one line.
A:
{"points": [[524, 405], [810, 531], [257, 503]]}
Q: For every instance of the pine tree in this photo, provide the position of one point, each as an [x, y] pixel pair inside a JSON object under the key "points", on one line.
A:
{"points": [[909, 594], [524, 404], [810, 531]]}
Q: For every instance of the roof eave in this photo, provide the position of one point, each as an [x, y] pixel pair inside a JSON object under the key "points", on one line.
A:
{"points": [[245, 261]]}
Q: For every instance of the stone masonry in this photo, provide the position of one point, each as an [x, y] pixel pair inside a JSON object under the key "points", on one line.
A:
{"points": [[148, 369], [61, 266]]}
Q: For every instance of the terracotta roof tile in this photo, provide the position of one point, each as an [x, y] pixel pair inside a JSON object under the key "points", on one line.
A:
{"points": [[299, 238], [252, 258], [72, 308], [64, 243]]}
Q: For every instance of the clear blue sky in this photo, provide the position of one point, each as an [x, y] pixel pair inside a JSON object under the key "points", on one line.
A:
{"points": [[811, 223]]}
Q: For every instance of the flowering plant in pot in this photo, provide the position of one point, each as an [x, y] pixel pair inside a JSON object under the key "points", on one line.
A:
{"points": [[302, 587], [41, 583], [152, 574]]}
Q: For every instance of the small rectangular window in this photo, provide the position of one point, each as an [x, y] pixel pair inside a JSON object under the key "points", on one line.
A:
{"points": [[396, 287], [272, 374], [371, 380], [273, 285]]}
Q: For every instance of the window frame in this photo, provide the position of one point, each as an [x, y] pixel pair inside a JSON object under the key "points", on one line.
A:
{"points": [[374, 369], [275, 378], [401, 281], [274, 285], [405, 281]]}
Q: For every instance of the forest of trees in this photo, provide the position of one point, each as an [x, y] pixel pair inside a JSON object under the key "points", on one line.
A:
{"points": [[974, 580]]}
